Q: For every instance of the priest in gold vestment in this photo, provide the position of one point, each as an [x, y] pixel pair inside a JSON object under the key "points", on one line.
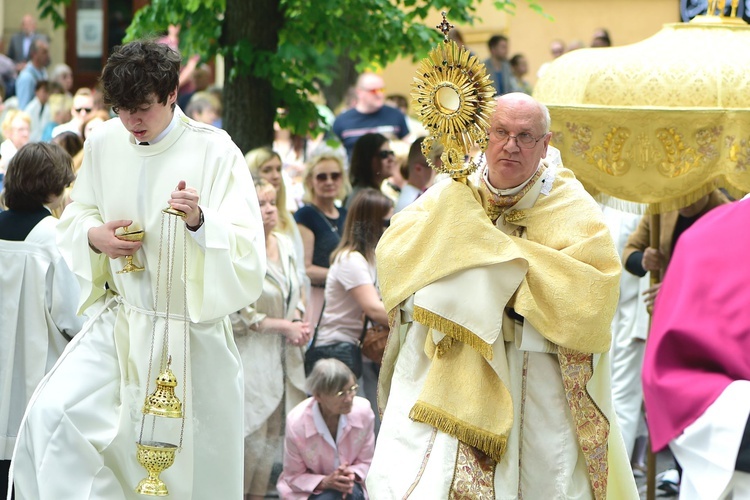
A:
{"points": [[495, 381]]}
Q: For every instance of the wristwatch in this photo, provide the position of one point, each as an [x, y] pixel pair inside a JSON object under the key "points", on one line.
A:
{"points": [[195, 228]]}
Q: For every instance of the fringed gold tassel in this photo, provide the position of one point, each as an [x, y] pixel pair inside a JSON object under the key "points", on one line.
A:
{"points": [[681, 202], [735, 193], [492, 445], [630, 207], [667, 205], [458, 332], [444, 346]]}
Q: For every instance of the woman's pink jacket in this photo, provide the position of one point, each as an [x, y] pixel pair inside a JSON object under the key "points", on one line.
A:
{"points": [[308, 457]]}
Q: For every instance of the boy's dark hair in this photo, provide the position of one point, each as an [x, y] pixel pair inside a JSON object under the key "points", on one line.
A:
{"points": [[71, 142], [138, 69], [41, 84], [38, 171]]}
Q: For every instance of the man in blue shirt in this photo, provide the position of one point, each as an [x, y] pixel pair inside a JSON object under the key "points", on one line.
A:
{"points": [[34, 71], [369, 114], [498, 66]]}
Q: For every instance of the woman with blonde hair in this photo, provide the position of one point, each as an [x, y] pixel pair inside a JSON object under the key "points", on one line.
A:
{"points": [[265, 163], [271, 339], [92, 120], [16, 130], [321, 222], [59, 110]]}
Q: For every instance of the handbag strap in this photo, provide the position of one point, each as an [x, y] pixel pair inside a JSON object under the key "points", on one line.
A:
{"points": [[315, 332], [364, 329]]}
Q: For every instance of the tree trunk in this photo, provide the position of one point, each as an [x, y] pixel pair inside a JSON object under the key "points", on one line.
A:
{"points": [[344, 78], [249, 105]]}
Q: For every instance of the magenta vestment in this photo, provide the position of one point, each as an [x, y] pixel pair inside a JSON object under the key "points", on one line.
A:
{"points": [[700, 334]]}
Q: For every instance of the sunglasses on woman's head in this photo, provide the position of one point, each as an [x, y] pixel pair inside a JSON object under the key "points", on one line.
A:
{"points": [[386, 153], [322, 177]]}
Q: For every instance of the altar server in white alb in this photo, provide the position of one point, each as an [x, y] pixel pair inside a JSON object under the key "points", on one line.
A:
{"points": [[38, 293], [78, 439]]}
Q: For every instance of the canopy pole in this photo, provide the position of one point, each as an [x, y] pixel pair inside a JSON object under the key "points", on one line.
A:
{"points": [[655, 230]]}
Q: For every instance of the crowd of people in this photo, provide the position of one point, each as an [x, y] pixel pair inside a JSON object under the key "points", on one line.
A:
{"points": [[293, 252]]}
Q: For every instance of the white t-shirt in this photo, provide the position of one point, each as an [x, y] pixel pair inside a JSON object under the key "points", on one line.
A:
{"points": [[343, 317]]}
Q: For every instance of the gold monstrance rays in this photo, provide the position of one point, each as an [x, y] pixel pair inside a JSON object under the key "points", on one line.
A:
{"points": [[454, 98]]}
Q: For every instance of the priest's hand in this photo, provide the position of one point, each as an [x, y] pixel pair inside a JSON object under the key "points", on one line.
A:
{"points": [[652, 259], [102, 239], [186, 199]]}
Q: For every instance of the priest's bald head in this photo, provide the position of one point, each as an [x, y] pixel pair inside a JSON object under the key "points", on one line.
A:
{"points": [[518, 139]]}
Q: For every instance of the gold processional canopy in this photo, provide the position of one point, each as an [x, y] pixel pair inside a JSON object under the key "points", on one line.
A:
{"points": [[661, 122]]}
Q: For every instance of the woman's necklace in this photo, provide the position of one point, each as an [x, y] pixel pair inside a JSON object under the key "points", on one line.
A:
{"points": [[333, 228]]}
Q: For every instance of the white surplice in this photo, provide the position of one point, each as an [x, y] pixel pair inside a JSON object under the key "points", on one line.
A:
{"points": [[38, 299], [80, 431]]}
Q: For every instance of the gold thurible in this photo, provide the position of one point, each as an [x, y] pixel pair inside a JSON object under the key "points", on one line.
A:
{"points": [[157, 456], [163, 402], [173, 211]]}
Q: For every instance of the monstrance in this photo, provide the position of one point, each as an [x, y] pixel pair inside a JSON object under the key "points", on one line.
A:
{"points": [[454, 99], [155, 455]]}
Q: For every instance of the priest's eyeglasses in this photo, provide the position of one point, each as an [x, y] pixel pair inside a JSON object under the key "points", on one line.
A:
{"points": [[348, 392], [523, 140]]}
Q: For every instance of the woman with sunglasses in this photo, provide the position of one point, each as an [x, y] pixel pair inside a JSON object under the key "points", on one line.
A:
{"points": [[372, 162], [329, 439], [83, 104], [321, 222]]}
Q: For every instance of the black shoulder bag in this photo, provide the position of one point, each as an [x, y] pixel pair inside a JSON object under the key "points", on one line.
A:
{"points": [[348, 353]]}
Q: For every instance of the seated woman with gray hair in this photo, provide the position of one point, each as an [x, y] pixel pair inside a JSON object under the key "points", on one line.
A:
{"points": [[329, 439]]}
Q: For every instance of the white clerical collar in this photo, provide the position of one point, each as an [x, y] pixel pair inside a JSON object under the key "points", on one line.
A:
{"points": [[509, 191], [166, 131]]}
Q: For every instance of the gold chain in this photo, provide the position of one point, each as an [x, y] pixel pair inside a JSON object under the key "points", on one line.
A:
{"points": [[184, 333], [171, 249], [153, 327]]}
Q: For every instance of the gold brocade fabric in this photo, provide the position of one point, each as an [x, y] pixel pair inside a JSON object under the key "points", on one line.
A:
{"points": [[592, 427], [496, 204], [573, 264], [569, 294], [473, 475], [660, 122], [449, 403]]}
